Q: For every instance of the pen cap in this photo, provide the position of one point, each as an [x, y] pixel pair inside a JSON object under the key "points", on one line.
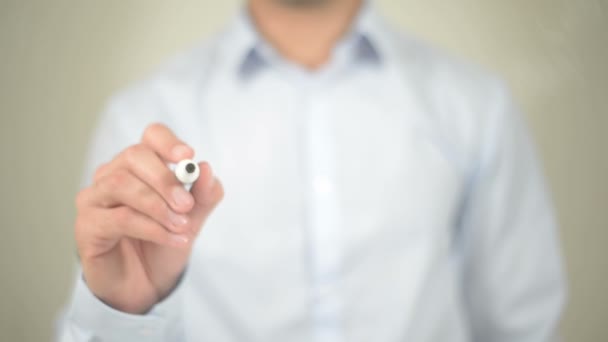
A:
{"points": [[187, 171]]}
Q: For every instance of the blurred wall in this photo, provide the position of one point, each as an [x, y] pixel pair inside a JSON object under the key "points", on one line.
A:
{"points": [[59, 61]]}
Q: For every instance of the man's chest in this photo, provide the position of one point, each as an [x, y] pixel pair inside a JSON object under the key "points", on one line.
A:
{"points": [[354, 190]]}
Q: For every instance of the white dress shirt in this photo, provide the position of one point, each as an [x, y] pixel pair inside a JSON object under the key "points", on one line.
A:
{"points": [[393, 195]]}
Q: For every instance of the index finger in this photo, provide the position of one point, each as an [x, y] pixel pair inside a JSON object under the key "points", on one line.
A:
{"points": [[160, 139]]}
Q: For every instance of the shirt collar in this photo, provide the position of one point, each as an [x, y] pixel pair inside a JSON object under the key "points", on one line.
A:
{"points": [[251, 53]]}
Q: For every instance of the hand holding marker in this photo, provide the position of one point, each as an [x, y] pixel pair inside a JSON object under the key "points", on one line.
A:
{"points": [[137, 221]]}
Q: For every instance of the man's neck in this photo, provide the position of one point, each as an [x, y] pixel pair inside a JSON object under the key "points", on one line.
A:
{"points": [[304, 33]]}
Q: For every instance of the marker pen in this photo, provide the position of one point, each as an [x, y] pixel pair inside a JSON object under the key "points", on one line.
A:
{"points": [[187, 172]]}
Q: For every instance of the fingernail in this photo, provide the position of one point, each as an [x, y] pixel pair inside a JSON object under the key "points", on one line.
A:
{"points": [[180, 151], [181, 197], [178, 220], [178, 240]]}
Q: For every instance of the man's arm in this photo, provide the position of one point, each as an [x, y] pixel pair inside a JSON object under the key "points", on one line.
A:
{"points": [[514, 282], [120, 294]]}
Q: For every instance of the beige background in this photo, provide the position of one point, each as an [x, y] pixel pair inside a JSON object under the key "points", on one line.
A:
{"points": [[59, 60]]}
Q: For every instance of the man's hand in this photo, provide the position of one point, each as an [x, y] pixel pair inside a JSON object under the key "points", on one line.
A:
{"points": [[136, 223]]}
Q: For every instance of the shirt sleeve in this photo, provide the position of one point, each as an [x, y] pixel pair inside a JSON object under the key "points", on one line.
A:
{"points": [[513, 278], [89, 319]]}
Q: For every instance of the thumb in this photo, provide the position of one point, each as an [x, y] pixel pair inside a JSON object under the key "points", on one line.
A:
{"points": [[207, 192]]}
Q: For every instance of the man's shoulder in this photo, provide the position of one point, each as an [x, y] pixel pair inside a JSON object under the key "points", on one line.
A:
{"points": [[462, 100], [456, 88], [430, 65]]}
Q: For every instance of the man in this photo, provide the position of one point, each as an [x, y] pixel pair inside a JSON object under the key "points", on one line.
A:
{"points": [[372, 189]]}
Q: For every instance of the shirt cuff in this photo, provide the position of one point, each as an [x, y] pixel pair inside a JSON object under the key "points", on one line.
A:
{"points": [[102, 322]]}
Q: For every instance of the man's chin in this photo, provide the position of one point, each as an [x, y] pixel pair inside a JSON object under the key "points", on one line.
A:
{"points": [[304, 3]]}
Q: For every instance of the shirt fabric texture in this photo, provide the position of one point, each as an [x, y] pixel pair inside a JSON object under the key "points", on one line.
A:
{"points": [[392, 195]]}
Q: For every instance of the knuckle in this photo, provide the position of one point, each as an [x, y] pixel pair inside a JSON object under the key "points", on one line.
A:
{"points": [[99, 172], [153, 130], [116, 180], [81, 198], [122, 216], [132, 153]]}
